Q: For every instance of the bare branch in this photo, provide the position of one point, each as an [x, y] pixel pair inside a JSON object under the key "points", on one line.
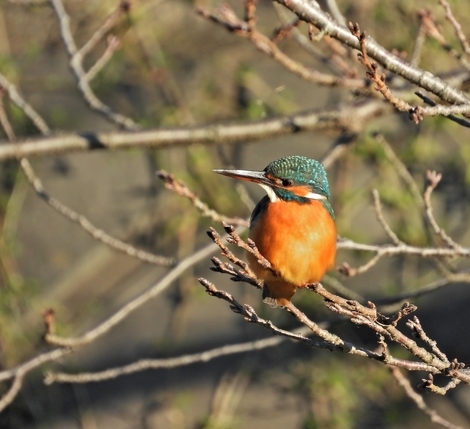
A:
{"points": [[404, 249], [86, 225], [415, 326], [341, 118], [434, 178], [180, 188], [460, 121], [381, 219], [432, 30], [418, 400], [310, 11], [76, 59], [14, 389], [28, 110], [144, 364], [113, 44], [35, 362], [457, 27], [227, 18], [107, 25], [374, 75]]}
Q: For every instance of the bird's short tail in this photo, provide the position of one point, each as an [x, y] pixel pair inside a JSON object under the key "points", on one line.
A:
{"points": [[268, 299]]}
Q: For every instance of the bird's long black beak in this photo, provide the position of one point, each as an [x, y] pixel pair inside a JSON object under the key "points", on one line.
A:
{"points": [[251, 176]]}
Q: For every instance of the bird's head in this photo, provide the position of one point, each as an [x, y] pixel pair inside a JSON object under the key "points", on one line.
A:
{"points": [[293, 178]]}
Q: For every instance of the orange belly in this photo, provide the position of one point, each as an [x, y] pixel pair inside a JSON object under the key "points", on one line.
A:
{"points": [[299, 240]]}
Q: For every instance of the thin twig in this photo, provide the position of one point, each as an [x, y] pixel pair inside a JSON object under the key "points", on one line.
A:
{"points": [[86, 225], [381, 219], [433, 180], [76, 64], [113, 44], [456, 24], [431, 287], [404, 249], [227, 18], [432, 30], [374, 75], [107, 25], [415, 326], [35, 362], [401, 169], [180, 188], [418, 399], [144, 364], [28, 110], [14, 389]]}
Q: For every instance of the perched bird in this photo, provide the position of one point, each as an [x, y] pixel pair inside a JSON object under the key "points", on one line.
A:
{"points": [[292, 226]]}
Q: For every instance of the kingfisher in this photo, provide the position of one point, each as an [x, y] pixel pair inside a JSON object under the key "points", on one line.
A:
{"points": [[293, 226]]}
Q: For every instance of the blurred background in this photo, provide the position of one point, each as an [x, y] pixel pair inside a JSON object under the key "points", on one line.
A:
{"points": [[175, 68]]}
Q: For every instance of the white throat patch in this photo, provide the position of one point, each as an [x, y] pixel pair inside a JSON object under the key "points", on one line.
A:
{"points": [[273, 197], [271, 194], [314, 196]]}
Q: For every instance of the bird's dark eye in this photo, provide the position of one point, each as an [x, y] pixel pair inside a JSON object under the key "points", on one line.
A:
{"points": [[287, 182]]}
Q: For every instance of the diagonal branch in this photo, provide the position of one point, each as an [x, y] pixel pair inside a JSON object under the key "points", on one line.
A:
{"points": [[311, 12], [136, 303], [76, 64], [180, 188]]}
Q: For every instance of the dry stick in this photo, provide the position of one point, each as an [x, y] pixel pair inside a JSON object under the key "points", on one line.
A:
{"points": [[144, 364], [304, 41], [311, 12], [76, 64], [415, 325], [418, 399], [332, 342], [341, 118], [386, 326]]}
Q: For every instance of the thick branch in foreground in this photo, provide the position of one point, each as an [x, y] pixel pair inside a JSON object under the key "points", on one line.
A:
{"points": [[345, 117]]}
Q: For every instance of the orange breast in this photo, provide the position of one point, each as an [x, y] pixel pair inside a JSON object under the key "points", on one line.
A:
{"points": [[299, 240]]}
